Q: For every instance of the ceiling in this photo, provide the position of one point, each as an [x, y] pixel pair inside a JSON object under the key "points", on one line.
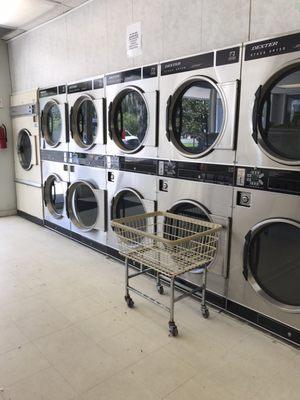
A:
{"points": [[18, 16]]}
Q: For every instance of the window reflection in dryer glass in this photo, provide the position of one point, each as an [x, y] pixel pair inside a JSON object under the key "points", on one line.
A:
{"points": [[87, 122], [131, 120], [198, 117], [280, 120], [57, 196], [190, 210], [54, 125], [85, 206], [24, 149], [274, 260], [128, 204]]}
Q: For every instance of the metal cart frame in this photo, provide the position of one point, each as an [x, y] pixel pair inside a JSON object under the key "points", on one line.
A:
{"points": [[170, 245]]}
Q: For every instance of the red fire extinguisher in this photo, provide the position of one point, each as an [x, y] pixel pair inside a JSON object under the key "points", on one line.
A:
{"points": [[3, 137]]}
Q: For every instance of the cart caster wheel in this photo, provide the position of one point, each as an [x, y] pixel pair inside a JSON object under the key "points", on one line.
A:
{"points": [[129, 301], [205, 313], [173, 331], [160, 289]]}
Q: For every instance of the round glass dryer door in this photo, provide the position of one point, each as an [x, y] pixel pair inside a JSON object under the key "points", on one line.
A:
{"points": [[54, 192], [191, 209], [129, 120], [196, 117], [127, 203], [84, 122], [83, 205], [278, 117], [52, 124], [24, 149], [273, 261]]}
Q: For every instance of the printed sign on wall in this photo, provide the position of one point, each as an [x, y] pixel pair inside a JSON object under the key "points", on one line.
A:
{"points": [[134, 39]]}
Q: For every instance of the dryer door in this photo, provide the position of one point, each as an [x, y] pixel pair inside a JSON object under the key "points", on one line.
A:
{"points": [[272, 261], [86, 122], [54, 196], [87, 206], [201, 116], [276, 116], [129, 202], [26, 149], [53, 123], [194, 209], [132, 119]]}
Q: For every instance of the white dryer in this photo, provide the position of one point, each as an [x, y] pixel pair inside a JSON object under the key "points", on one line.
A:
{"points": [[87, 116], [54, 118], [24, 113], [55, 185], [87, 205], [198, 106], [129, 193], [206, 195], [132, 99], [265, 251], [269, 123]]}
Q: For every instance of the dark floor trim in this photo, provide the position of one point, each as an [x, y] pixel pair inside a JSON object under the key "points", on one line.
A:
{"points": [[57, 228], [30, 218]]}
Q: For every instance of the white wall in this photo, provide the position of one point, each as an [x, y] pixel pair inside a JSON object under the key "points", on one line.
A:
{"points": [[7, 187], [91, 39]]}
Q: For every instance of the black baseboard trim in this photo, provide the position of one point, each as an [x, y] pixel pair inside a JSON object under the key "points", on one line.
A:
{"points": [[30, 218], [57, 228]]}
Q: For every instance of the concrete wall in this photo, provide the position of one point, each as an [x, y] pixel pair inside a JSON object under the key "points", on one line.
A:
{"points": [[91, 39], [7, 187]]}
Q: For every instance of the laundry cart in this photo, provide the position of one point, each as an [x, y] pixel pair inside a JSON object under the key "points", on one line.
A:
{"points": [[170, 245]]}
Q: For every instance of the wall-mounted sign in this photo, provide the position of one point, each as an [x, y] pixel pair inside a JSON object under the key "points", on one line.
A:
{"points": [[134, 40]]}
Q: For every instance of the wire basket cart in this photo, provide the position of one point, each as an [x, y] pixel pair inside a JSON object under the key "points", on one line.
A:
{"points": [[171, 245]]}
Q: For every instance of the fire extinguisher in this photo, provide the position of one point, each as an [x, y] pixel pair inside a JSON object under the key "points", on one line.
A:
{"points": [[3, 137]]}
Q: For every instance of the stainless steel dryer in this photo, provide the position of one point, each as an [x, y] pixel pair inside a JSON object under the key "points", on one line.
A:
{"points": [[269, 124], [54, 114], [205, 192], [87, 205], [265, 251], [87, 116], [55, 185], [132, 99], [129, 193], [198, 106]]}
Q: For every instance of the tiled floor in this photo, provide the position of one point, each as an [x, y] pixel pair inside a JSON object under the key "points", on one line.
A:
{"points": [[66, 334]]}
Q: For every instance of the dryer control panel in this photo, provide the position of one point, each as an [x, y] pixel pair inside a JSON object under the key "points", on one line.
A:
{"points": [[272, 180]]}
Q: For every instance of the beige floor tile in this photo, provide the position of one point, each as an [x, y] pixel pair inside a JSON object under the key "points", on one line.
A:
{"points": [[45, 385], [25, 308], [162, 372], [42, 324], [63, 344], [86, 369], [129, 346], [82, 308], [104, 325], [20, 363], [11, 337], [122, 386]]}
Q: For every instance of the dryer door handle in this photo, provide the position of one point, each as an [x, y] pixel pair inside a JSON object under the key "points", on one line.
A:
{"points": [[41, 123], [255, 115], [245, 255], [168, 131], [71, 122], [110, 127]]}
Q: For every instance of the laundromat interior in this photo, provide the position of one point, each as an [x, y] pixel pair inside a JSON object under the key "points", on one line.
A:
{"points": [[149, 199]]}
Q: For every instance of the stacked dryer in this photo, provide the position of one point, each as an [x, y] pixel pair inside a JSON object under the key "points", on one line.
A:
{"points": [[198, 109], [265, 262], [86, 194], [24, 112], [54, 153], [132, 100]]}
